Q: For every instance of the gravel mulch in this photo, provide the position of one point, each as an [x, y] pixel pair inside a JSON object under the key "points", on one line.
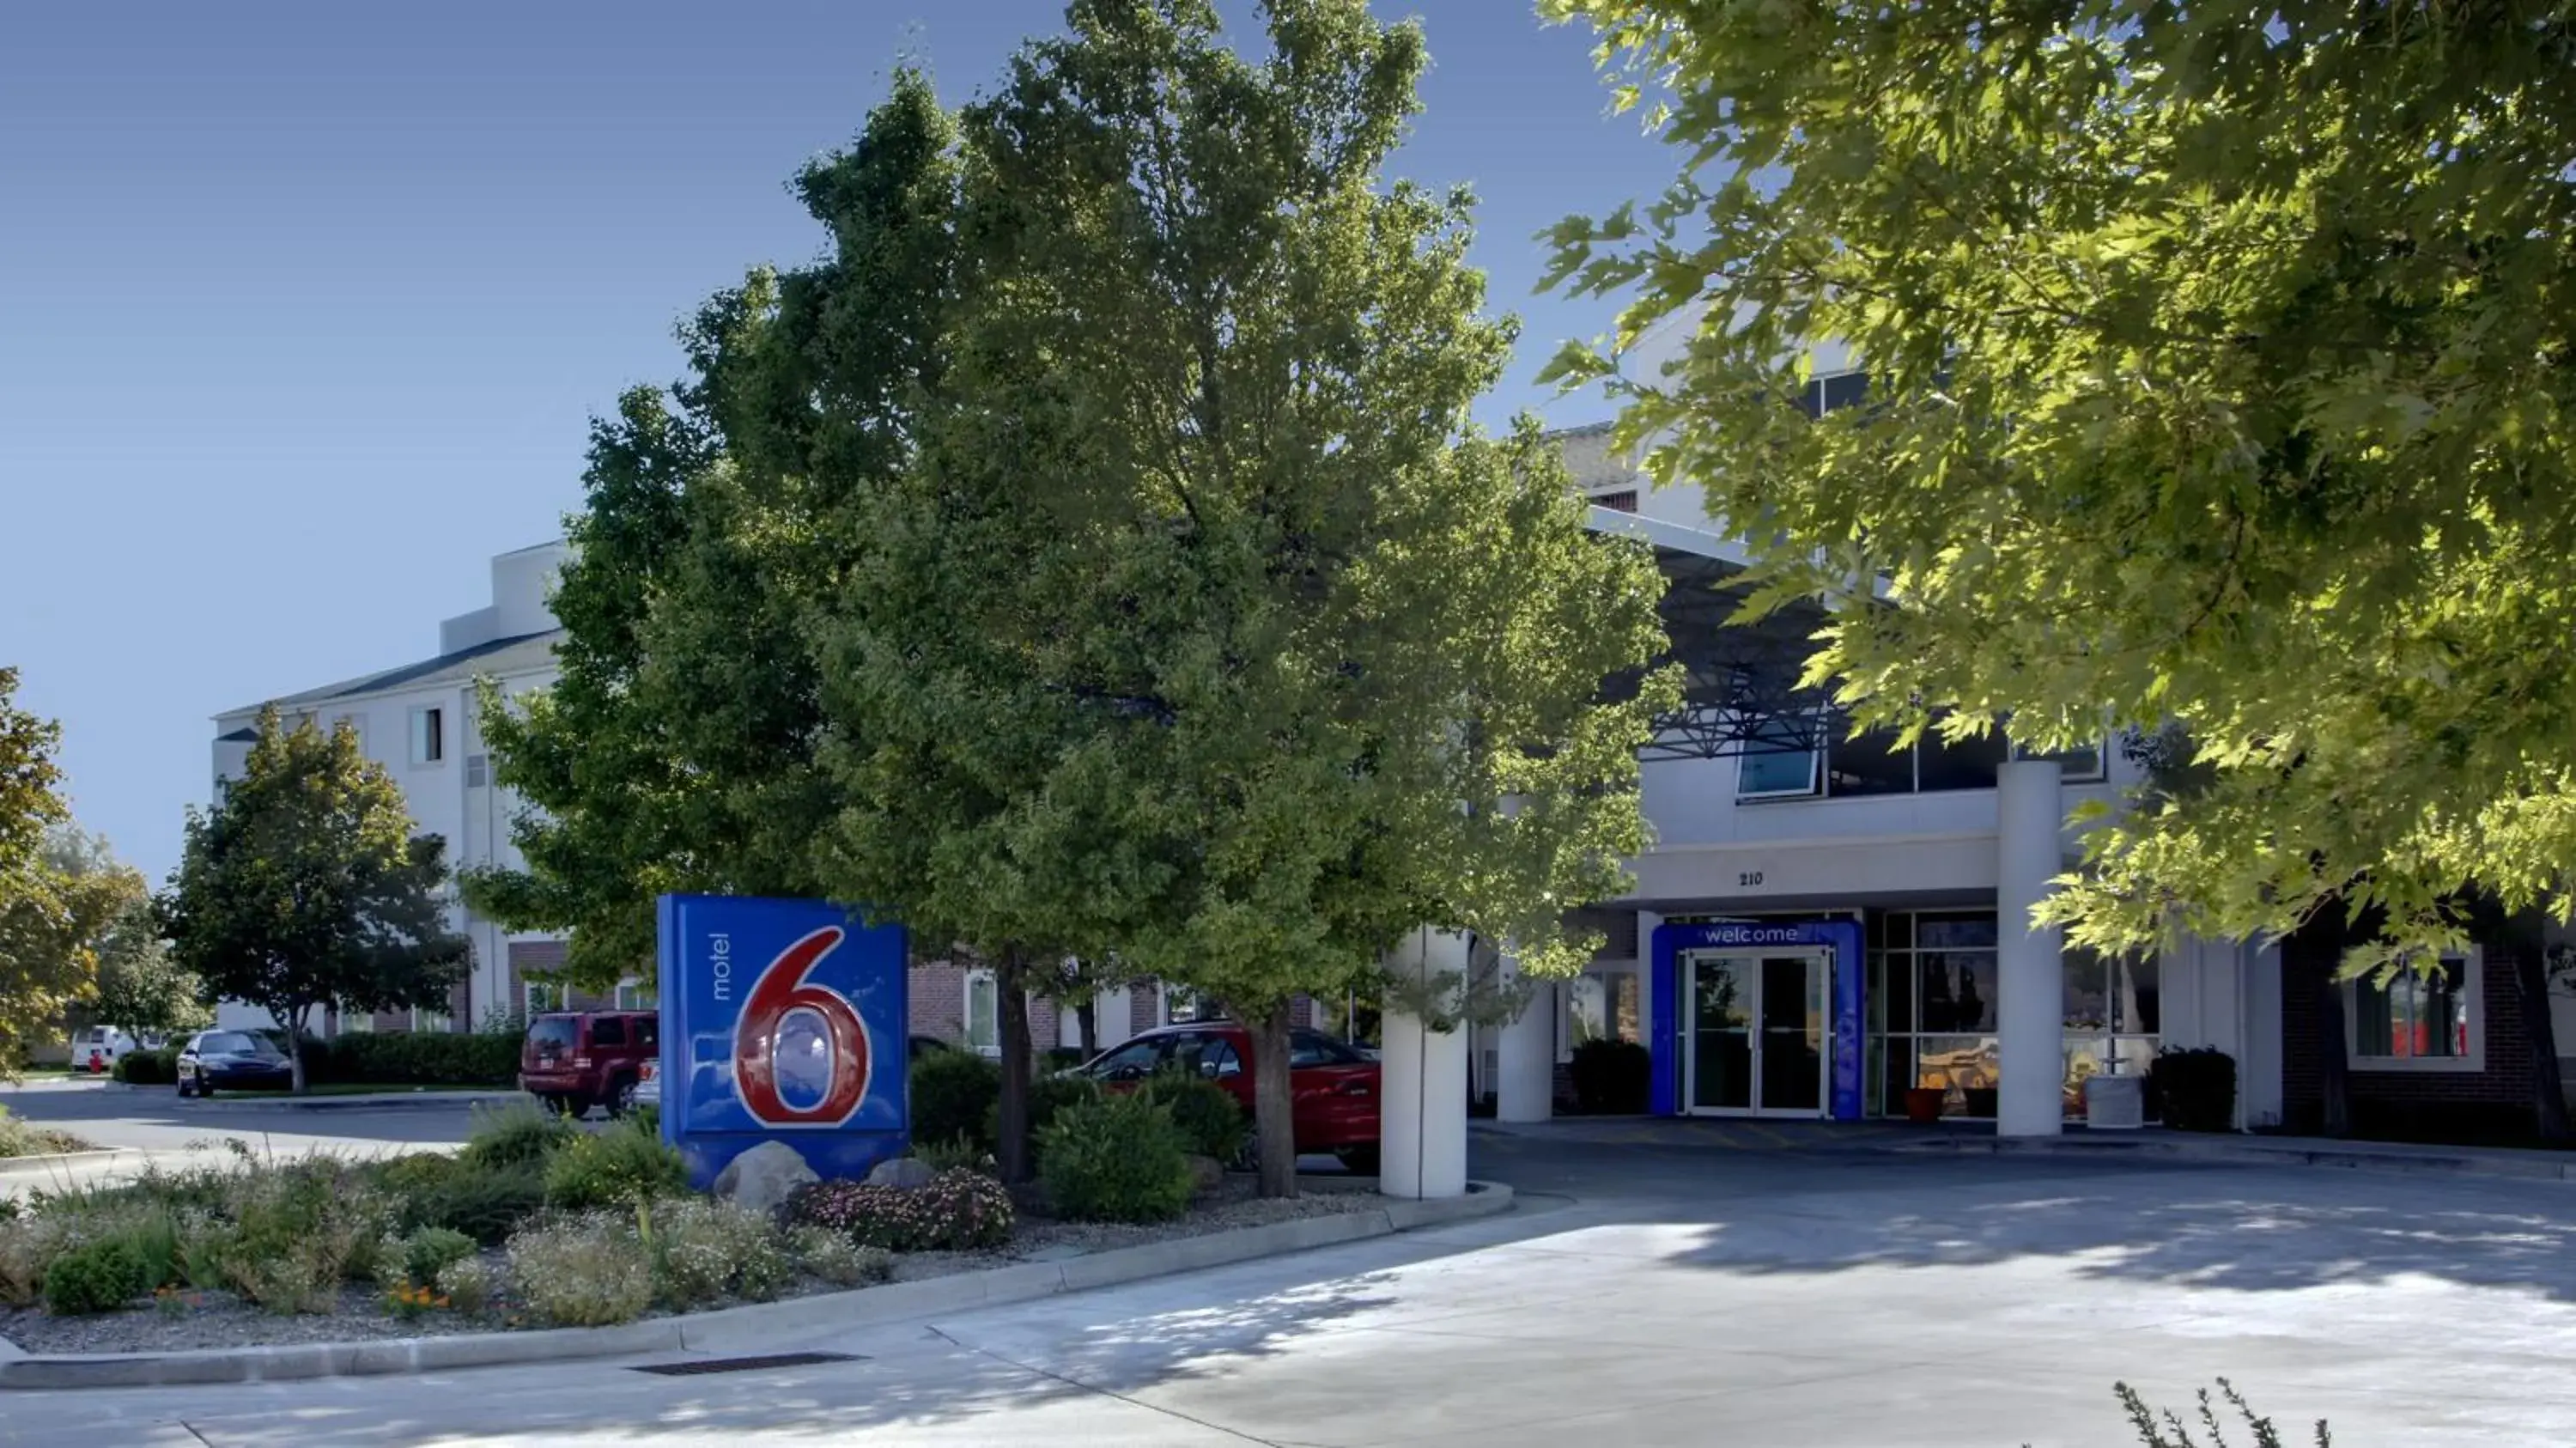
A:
{"points": [[218, 1320]]}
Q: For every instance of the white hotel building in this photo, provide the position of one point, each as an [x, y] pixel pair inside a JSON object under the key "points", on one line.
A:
{"points": [[1839, 924]]}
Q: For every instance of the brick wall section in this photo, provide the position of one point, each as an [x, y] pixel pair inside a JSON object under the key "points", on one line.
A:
{"points": [[2507, 1081]]}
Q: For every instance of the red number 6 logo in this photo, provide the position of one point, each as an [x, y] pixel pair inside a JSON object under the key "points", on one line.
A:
{"points": [[781, 992]]}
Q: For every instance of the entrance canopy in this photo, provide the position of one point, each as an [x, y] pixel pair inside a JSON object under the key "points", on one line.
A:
{"points": [[1740, 689]]}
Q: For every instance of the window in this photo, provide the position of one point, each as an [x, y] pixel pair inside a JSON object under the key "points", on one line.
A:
{"points": [[428, 736], [634, 997], [1873, 764], [1314, 1048], [2421, 1020], [608, 1031], [1774, 773], [1620, 502], [1931, 1005], [478, 771], [357, 1023], [2080, 765], [542, 996], [1131, 1062], [1182, 1005], [982, 1026], [1586, 1016], [1209, 1055], [432, 1022], [2113, 1017]]}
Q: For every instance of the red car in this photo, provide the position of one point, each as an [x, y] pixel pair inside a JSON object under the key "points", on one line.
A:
{"points": [[575, 1062], [1334, 1085]]}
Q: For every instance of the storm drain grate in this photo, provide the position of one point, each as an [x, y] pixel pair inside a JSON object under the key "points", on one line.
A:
{"points": [[747, 1364]]}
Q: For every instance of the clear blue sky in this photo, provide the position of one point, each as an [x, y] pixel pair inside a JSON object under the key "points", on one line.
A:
{"points": [[304, 307]]}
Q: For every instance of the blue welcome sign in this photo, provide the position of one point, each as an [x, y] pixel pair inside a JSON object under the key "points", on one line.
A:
{"points": [[782, 1020], [1841, 939]]}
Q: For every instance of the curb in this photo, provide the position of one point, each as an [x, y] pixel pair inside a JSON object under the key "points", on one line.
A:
{"points": [[858, 1308], [373, 1101], [51, 1161], [2252, 1153]]}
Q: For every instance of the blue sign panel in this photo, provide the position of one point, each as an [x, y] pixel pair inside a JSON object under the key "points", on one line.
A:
{"points": [[782, 1020], [1672, 1033]]}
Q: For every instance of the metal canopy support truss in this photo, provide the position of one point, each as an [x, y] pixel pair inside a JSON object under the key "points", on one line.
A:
{"points": [[1740, 690]]}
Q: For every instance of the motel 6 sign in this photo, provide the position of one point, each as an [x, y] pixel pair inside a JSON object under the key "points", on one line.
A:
{"points": [[782, 1020]]}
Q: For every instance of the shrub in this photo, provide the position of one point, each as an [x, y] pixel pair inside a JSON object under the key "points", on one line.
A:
{"points": [[837, 1259], [1211, 1122], [2196, 1087], [1049, 1096], [958, 1153], [956, 1211], [433, 1189], [520, 1134], [1611, 1078], [101, 1277], [147, 1068], [586, 1271], [469, 1285], [704, 1251], [415, 1058], [431, 1251], [1117, 1159], [294, 1233], [619, 1167], [954, 1094]]}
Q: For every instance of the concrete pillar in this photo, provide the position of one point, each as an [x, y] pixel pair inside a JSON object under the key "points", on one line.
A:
{"points": [[1422, 1092], [2030, 1005], [1525, 1057]]}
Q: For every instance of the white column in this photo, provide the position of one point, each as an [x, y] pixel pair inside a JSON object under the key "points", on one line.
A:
{"points": [[1525, 1057], [1422, 1091], [2030, 1004], [2258, 1069]]}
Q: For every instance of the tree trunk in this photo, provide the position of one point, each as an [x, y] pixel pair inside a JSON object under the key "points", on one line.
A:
{"points": [[1086, 1017], [2531, 987], [2334, 1067], [295, 1048], [1011, 995], [1274, 1102]]}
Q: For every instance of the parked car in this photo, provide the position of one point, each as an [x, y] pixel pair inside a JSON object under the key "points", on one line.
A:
{"points": [[233, 1061], [573, 1061], [1333, 1084]]}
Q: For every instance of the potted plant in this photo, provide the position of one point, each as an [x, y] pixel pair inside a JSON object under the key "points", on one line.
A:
{"points": [[1923, 1104]]}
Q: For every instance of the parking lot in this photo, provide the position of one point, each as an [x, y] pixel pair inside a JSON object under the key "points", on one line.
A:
{"points": [[1641, 1294]]}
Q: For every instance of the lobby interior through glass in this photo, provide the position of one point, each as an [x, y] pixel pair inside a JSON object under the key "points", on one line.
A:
{"points": [[1759, 1026]]}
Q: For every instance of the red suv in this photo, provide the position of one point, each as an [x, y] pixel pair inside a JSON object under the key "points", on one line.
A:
{"points": [[576, 1062], [1334, 1086]]}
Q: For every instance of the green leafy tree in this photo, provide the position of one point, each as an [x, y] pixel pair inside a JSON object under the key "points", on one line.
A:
{"points": [[304, 887], [47, 920], [1246, 652], [134, 983], [2219, 374]]}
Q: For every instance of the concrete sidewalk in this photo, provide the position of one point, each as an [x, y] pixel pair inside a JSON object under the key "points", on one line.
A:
{"points": [[2151, 1143]]}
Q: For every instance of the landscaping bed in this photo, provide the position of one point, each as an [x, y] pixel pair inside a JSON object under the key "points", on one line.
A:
{"points": [[20, 1138], [535, 1224]]}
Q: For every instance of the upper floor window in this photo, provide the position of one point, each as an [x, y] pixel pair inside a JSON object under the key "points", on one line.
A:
{"points": [[1875, 764], [2421, 1020], [428, 735], [634, 997]]}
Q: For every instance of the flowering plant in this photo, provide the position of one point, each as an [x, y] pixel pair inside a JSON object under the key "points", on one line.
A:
{"points": [[956, 1211]]}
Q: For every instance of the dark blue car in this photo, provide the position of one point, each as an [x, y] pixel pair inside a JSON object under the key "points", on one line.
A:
{"points": [[233, 1061]]}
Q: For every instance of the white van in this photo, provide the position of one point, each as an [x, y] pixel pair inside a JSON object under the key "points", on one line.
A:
{"points": [[97, 1048]]}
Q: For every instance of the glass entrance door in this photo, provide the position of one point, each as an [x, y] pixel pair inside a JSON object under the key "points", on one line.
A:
{"points": [[1758, 1033]]}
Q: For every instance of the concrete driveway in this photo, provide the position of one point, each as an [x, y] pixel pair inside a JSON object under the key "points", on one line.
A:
{"points": [[1640, 1296]]}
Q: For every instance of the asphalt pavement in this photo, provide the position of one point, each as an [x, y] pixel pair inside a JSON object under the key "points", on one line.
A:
{"points": [[1641, 1294]]}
